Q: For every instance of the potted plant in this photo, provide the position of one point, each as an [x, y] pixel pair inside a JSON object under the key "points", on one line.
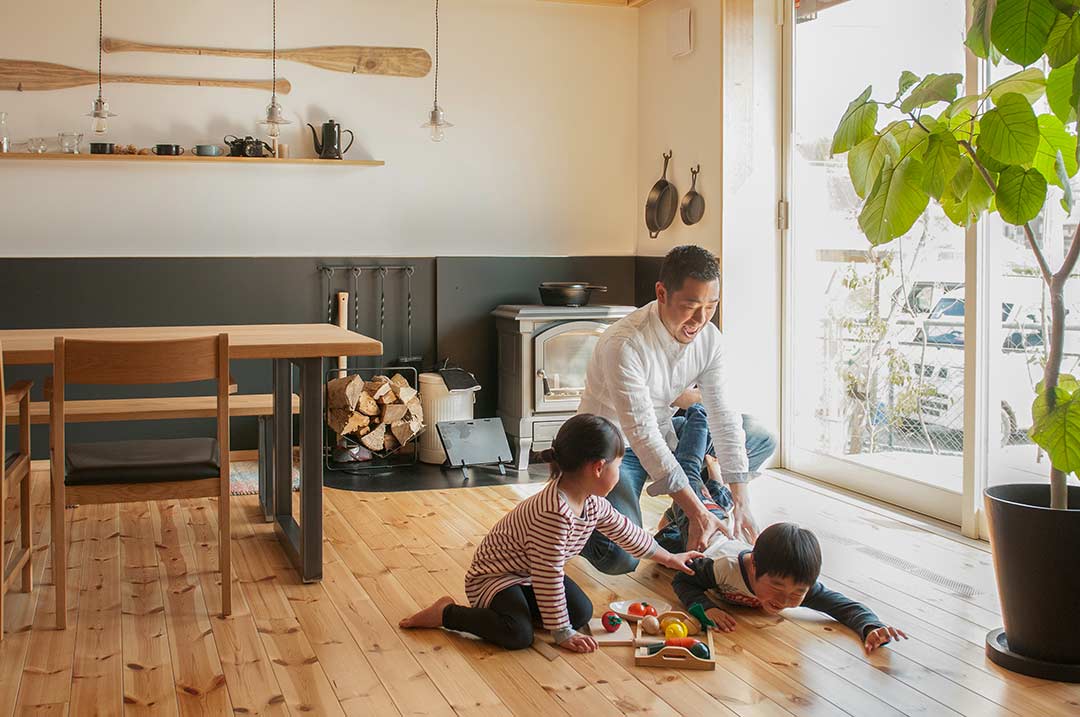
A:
{"points": [[992, 152]]}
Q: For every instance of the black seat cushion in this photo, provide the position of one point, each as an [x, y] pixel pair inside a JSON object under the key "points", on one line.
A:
{"points": [[148, 461], [10, 455]]}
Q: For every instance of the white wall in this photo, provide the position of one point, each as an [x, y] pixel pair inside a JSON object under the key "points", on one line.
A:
{"points": [[541, 161], [682, 102]]}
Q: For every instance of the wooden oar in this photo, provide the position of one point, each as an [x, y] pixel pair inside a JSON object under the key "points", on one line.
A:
{"points": [[28, 75], [353, 59]]}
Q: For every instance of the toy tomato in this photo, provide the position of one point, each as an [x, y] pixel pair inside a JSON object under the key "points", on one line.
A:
{"points": [[610, 621], [641, 609], [675, 629]]}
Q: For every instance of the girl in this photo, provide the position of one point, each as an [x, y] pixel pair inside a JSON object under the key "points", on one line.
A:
{"points": [[517, 575]]}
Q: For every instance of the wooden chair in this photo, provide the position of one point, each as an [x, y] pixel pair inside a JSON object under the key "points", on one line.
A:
{"points": [[15, 473], [141, 470]]}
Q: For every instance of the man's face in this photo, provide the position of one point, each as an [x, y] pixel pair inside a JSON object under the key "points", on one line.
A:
{"points": [[686, 311]]}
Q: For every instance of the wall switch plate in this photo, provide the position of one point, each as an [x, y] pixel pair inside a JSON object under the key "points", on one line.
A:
{"points": [[681, 32]]}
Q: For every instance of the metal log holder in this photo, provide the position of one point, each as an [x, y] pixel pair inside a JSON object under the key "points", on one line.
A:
{"points": [[342, 474]]}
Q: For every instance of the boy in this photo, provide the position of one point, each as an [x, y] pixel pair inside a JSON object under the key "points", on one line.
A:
{"points": [[780, 570]]}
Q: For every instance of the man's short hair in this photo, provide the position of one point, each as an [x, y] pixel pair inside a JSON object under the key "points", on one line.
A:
{"points": [[788, 551], [688, 261]]}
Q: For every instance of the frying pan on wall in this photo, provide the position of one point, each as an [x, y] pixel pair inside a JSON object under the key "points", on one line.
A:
{"points": [[693, 204], [662, 203]]}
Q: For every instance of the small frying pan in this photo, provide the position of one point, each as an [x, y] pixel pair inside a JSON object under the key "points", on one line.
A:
{"points": [[693, 204], [662, 202]]}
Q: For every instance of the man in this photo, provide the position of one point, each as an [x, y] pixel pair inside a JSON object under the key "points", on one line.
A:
{"points": [[643, 366]]}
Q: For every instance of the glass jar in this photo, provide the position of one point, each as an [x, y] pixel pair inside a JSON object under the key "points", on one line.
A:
{"points": [[69, 142], [5, 141]]}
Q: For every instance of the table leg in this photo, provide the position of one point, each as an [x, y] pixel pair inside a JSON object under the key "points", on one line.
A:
{"points": [[311, 468], [266, 467]]}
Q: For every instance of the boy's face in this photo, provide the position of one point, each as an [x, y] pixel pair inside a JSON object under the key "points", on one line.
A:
{"points": [[776, 593]]}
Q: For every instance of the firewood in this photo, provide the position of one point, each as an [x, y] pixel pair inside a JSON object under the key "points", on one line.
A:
{"points": [[406, 393], [415, 409], [360, 433], [405, 431], [389, 441], [378, 389], [376, 438], [394, 412], [398, 380], [344, 421], [344, 392], [367, 405], [389, 397]]}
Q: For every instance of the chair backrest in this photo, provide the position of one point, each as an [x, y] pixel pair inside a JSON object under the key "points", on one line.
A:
{"points": [[142, 362]]}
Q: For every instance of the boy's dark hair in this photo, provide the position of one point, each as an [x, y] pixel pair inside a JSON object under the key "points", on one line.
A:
{"points": [[688, 261], [584, 438], [788, 551]]}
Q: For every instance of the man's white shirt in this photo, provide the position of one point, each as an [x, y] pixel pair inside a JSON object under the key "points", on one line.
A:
{"points": [[637, 370]]}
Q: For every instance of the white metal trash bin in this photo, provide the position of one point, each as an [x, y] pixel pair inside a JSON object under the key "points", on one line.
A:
{"points": [[441, 404]]}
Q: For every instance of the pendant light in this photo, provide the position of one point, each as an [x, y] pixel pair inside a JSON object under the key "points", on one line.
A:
{"points": [[100, 112], [275, 115], [436, 119]]}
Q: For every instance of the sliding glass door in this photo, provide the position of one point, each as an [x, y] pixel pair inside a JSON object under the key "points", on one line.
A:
{"points": [[875, 337]]}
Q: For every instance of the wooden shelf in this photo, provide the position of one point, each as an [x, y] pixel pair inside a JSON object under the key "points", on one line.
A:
{"points": [[26, 156]]}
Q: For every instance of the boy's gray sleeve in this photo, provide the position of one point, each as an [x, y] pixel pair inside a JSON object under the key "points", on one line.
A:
{"points": [[843, 609], [691, 589]]}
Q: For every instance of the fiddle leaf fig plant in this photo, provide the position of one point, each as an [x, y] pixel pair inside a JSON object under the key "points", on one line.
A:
{"points": [[987, 152]]}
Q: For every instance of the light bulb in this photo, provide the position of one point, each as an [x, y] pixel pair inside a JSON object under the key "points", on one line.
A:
{"points": [[437, 124], [437, 134], [100, 115], [100, 125]]}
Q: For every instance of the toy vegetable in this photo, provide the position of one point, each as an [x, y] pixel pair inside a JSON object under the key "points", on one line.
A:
{"points": [[675, 629], [697, 648], [610, 621], [641, 609], [650, 625]]}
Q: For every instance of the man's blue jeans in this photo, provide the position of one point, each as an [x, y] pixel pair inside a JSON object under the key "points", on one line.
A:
{"points": [[625, 497]]}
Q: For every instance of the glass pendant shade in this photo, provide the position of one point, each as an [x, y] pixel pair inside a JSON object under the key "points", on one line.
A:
{"points": [[437, 124], [275, 117], [100, 115]]}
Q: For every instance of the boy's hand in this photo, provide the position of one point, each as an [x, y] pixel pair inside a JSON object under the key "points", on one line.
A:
{"points": [[882, 636], [724, 621], [680, 561], [579, 643]]}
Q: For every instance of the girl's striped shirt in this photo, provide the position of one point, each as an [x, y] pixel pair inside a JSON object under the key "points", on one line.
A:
{"points": [[531, 544]]}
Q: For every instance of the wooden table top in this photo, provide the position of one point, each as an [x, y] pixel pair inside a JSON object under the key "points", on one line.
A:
{"points": [[246, 341]]}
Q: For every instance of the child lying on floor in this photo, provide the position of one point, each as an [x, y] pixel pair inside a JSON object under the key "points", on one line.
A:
{"points": [[517, 576], [780, 570]]}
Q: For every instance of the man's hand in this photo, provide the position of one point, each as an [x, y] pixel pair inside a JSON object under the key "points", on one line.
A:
{"points": [[704, 527], [743, 525], [882, 636], [677, 561], [723, 619], [687, 398]]}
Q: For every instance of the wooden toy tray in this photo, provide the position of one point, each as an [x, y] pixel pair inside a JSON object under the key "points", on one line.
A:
{"points": [[679, 658]]}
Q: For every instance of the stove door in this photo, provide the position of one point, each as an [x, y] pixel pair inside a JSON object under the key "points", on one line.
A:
{"points": [[562, 356]]}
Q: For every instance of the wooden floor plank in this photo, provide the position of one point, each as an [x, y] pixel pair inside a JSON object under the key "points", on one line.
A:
{"points": [[199, 681], [148, 674]]}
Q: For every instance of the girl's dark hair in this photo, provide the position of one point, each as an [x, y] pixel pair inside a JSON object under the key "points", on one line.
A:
{"points": [[788, 551], [583, 439]]}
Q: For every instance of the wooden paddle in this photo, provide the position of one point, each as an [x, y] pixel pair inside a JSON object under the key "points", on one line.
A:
{"points": [[28, 75], [353, 59]]}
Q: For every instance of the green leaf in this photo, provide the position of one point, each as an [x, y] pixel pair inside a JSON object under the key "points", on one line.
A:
{"points": [[1020, 28], [912, 137], [958, 186], [1039, 407], [961, 106], [1055, 140], [1064, 41], [1021, 193], [857, 124], [1059, 91], [1069, 7], [1063, 182], [939, 162], [1058, 432], [866, 159], [978, 37], [1066, 382], [907, 79], [1030, 83], [896, 201], [989, 162], [964, 208], [934, 88], [1010, 133]]}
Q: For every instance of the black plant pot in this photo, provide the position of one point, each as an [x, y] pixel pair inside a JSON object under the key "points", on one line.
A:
{"points": [[1038, 577]]}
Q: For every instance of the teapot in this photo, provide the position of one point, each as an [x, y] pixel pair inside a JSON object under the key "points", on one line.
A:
{"points": [[330, 145], [246, 147]]}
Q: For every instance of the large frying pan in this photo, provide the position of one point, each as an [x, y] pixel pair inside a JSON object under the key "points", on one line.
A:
{"points": [[662, 203]]}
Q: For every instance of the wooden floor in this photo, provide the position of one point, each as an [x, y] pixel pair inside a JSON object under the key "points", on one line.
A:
{"points": [[143, 636]]}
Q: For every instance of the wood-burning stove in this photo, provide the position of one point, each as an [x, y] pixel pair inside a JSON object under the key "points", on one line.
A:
{"points": [[543, 354]]}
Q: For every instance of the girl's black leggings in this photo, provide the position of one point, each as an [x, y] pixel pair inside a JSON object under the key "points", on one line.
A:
{"points": [[508, 621]]}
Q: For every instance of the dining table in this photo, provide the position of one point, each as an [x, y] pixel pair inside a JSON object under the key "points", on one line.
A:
{"points": [[304, 346]]}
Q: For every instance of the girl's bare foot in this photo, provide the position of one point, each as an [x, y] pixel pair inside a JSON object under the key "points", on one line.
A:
{"points": [[430, 616], [713, 467]]}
